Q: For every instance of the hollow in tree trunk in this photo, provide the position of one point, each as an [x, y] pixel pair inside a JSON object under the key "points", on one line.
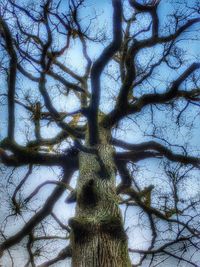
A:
{"points": [[98, 238]]}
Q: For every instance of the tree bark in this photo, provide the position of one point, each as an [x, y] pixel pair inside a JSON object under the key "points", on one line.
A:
{"points": [[98, 238]]}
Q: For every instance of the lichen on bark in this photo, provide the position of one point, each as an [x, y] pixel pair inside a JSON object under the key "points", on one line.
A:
{"points": [[98, 237]]}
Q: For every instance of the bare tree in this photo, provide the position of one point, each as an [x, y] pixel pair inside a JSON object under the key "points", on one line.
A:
{"points": [[144, 80]]}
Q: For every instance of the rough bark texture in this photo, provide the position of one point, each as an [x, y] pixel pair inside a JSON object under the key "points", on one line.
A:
{"points": [[98, 237]]}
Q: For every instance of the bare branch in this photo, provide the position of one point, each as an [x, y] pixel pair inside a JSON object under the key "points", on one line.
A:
{"points": [[40, 215], [98, 67], [11, 78]]}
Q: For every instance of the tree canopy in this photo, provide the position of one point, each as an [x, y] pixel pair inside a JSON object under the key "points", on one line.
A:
{"points": [[71, 71]]}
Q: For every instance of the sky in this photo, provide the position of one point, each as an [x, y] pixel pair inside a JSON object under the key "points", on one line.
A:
{"points": [[132, 133]]}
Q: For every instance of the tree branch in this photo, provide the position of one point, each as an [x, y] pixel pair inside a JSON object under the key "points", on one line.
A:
{"points": [[11, 78], [40, 215], [141, 151], [155, 98], [63, 254], [98, 67], [23, 156]]}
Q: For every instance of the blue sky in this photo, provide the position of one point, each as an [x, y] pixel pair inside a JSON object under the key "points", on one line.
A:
{"points": [[131, 132]]}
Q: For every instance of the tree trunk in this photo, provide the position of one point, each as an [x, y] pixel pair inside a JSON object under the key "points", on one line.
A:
{"points": [[98, 238]]}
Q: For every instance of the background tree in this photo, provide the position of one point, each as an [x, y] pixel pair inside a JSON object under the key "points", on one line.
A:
{"points": [[67, 110]]}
